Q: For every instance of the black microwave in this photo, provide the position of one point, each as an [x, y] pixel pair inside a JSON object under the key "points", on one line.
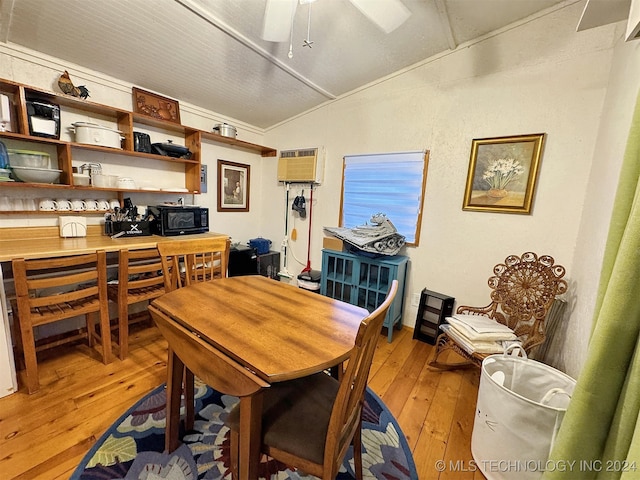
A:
{"points": [[177, 220]]}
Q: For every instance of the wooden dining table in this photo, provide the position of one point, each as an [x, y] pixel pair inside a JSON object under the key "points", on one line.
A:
{"points": [[242, 334]]}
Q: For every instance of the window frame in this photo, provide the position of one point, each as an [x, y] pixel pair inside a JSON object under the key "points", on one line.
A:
{"points": [[378, 157]]}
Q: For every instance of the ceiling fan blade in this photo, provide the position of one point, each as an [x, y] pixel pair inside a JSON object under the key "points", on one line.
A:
{"points": [[278, 18], [386, 14]]}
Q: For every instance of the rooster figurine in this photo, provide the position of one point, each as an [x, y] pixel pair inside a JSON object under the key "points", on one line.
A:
{"points": [[67, 86]]}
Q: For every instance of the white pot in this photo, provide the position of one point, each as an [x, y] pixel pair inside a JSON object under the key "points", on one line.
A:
{"points": [[94, 134]]}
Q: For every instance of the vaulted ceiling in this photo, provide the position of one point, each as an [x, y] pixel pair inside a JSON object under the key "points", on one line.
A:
{"points": [[210, 52]]}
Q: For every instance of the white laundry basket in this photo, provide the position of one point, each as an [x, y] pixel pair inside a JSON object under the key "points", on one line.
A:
{"points": [[521, 403]]}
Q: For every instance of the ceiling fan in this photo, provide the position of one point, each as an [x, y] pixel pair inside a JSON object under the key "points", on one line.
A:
{"points": [[278, 16]]}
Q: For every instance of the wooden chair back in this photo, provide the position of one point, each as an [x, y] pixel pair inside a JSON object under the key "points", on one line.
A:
{"points": [[523, 290], [336, 405], [195, 260], [346, 416], [140, 279], [53, 289], [185, 262]]}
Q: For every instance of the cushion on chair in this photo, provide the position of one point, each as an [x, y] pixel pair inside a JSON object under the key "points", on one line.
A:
{"points": [[296, 415]]}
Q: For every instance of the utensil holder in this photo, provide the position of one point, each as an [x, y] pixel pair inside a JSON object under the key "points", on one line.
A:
{"points": [[127, 229]]}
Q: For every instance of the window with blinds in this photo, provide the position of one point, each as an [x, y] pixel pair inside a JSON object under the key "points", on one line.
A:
{"points": [[389, 183]]}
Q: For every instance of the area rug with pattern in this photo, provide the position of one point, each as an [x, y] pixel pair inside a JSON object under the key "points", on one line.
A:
{"points": [[132, 449]]}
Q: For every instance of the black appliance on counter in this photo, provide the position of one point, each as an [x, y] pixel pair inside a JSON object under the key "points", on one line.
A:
{"points": [[170, 220], [43, 118]]}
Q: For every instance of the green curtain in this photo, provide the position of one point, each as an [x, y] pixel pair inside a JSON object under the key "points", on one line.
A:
{"points": [[600, 435]]}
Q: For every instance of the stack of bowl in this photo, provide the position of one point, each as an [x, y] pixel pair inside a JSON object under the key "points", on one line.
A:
{"points": [[32, 167]]}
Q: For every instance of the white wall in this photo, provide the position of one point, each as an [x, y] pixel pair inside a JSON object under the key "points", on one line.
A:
{"points": [[538, 76], [624, 86]]}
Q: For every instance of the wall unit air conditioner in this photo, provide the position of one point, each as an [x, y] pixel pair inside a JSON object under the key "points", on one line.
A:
{"points": [[305, 165]]}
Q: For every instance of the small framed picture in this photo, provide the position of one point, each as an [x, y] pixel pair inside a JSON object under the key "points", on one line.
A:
{"points": [[155, 106], [502, 173], [233, 186]]}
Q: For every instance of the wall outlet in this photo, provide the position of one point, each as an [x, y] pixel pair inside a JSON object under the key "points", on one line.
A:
{"points": [[415, 299]]}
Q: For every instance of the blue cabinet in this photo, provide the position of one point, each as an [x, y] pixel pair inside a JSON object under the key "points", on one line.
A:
{"points": [[365, 281]]}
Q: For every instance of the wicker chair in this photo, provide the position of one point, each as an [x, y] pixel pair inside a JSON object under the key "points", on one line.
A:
{"points": [[523, 290]]}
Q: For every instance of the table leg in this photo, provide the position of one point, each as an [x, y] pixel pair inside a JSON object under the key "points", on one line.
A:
{"points": [[175, 368], [189, 399], [250, 435]]}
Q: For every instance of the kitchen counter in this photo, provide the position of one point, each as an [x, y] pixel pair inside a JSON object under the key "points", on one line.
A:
{"points": [[42, 242]]}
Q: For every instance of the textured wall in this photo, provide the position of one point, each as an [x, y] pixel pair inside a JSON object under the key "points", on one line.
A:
{"points": [[520, 80]]}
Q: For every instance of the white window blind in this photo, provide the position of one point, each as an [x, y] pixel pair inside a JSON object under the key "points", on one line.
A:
{"points": [[390, 183]]}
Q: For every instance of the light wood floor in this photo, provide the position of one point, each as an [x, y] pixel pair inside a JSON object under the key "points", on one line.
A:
{"points": [[45, 435]]}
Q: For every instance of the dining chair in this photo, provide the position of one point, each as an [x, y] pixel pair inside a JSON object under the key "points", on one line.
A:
{"points": [[194, 260], [309, 423], [54, 289], [185, 262], [140, 279], [189, 352]]}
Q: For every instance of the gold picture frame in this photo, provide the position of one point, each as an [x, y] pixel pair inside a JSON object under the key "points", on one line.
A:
{"points": [[155, 106], [233, 186], [502, 173]]}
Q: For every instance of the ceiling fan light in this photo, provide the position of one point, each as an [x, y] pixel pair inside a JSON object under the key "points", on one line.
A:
{"points": [[386, 14], [278, 20]]}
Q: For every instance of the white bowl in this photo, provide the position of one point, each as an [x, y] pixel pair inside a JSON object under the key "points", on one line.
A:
{"points": [[36, 175]]}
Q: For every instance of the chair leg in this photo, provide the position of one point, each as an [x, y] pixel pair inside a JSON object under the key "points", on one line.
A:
{"points": [[105, 329], [104, 338], [92, 334], [357, 450], [123, 330], [17, 340], [30, 359]]}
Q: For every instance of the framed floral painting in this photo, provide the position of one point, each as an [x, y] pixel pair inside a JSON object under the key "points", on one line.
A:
{"points": [[502, 173]]}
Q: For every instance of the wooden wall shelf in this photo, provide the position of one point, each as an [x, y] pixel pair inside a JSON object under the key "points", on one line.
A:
{"points": [[126, 120]]}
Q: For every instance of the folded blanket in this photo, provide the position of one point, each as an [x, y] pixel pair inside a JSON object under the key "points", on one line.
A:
{"points": [[471, 346], [481, 325], [478, 327]]}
